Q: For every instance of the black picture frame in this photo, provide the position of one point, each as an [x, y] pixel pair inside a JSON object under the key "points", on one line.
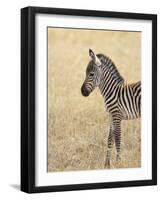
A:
{"points": [[28, 98]]}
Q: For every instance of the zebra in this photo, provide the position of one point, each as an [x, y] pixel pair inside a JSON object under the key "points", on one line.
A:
{"points": [[122, 101]]}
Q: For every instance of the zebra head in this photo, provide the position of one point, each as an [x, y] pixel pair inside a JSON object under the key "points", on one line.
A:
{"points": [[93, 73]]}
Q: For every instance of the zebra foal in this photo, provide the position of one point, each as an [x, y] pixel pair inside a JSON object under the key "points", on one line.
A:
{"points": [[122, 101]]}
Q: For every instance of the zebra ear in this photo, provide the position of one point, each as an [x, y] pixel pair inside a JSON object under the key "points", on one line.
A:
{"points": [[94, 58], [91, 54]]}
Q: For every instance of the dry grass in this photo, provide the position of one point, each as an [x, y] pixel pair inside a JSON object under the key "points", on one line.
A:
{"points": [[78, 126]]}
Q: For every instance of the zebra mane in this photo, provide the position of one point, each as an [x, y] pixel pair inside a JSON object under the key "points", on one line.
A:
{"points": [[107, 62]]}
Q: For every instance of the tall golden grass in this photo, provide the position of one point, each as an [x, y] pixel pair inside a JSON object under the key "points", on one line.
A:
{"points": [[78, 126]]}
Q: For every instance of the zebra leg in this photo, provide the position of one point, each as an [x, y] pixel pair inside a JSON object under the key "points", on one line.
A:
{"points": [[110, 145], [117, 134]]}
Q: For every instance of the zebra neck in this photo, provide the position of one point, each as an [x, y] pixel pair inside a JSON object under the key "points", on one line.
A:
{"points": [[110, 84]]}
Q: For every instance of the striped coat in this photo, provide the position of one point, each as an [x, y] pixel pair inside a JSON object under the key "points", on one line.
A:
{"points": [[122, 101]]}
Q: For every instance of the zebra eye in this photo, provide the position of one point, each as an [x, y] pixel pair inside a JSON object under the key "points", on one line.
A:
{"points": [[91, 74]]}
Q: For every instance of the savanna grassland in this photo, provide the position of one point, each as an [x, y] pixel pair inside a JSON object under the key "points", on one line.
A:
{"points": [[78, 126]]}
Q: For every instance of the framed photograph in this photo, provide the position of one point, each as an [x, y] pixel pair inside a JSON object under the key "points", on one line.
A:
{"points": [[88, 99]]}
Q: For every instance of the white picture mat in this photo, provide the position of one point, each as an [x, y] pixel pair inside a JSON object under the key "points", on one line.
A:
{"points": [[43, 178]]}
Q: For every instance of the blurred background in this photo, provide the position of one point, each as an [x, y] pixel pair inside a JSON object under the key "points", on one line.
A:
{"points": [[78, 127]]}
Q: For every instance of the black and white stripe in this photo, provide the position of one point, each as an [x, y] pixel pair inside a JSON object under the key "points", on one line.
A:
{"points": [[122, 101]]}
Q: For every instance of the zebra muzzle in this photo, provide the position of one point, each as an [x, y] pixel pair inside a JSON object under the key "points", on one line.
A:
{"points": [[84, 91]]}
